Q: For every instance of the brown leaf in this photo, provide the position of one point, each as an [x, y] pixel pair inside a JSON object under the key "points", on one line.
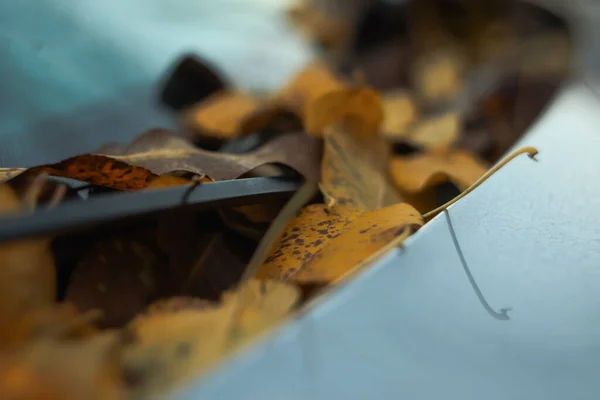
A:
{"points": [[216, 269], [318, 246], [354, 170], [221, 115], [48, 370], [118, 275], [416, 173], [100, 171], [161, 152], [325, 28], [161, 359], [253, 220], [103, 171], [204, 259]]}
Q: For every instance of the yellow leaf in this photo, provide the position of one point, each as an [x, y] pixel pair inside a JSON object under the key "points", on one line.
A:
{"points": [[353, 170], [438, 75], [399, 112], [437, 132], [196, 339], [361, 106], [320, 247], [221, 115], [73, 370], [416, 173]]}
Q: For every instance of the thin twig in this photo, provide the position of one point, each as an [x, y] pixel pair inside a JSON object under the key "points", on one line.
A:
{"points": [[531, 152]]}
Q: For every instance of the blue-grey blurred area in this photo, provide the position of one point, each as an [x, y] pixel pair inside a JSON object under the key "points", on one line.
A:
{"points": [[75, 74]]}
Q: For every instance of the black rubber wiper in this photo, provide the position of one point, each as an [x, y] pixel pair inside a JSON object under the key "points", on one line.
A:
{"points": [[74, 216]]}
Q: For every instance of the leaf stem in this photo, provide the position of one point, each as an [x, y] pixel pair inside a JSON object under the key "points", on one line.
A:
{"points": [[530, 151]]}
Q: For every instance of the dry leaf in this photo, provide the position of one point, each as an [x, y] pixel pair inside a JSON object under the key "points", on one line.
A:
{"points": [[103, 171], [61, 321], [438, 76], [323, 27], [318, 247], [49, 370], [361, 106], [221, 115], [314, 81], [435, 132], [399, 112], [176, 304], [418, 172], [27, 273], [161, 152], [547, 54], [117, 275], [9, 173], [354, 170], [294, 99], [216, 268], [159, 359]]}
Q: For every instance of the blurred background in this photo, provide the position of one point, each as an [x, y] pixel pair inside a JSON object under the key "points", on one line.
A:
{"points": [[76, 74]]}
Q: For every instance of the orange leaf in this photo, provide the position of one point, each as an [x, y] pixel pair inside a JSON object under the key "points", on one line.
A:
{"points": [[27, 273], [416, 173], [314, 81], [69, 370], [221, 115], [318, 246], [99, 170]]}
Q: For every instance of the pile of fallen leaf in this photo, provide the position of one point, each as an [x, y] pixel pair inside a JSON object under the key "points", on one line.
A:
{"points": [[137, 310]]}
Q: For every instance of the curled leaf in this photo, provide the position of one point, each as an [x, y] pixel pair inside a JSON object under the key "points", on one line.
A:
{"points": [[415, 173], [161, 152], [102, 171]]}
